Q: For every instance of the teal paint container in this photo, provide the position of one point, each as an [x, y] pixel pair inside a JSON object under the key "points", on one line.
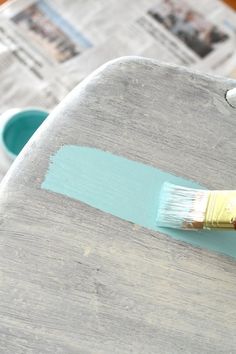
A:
{"points": [[18, 125]]}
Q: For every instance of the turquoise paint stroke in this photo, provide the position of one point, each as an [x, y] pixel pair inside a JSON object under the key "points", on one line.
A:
{"points": [[127, 189]]}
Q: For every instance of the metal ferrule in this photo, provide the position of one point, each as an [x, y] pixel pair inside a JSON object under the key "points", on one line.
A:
{"points": [[221, 210]]}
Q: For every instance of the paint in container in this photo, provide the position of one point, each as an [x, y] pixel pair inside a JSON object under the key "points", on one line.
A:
{"points": [[16, 128]]}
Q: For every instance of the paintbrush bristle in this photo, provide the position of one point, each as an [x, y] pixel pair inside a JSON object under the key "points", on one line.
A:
{"points": [[181, 207]]}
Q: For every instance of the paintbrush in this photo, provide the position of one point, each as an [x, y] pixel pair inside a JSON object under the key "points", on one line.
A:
{"points": [[196, 209]]}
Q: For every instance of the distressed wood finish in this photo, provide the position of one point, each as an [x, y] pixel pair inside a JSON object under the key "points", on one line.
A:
{"points": [[77, 280]]}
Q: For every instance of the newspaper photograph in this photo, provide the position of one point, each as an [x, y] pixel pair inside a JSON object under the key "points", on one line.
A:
{"points": [[50, 32], [187, 24]]}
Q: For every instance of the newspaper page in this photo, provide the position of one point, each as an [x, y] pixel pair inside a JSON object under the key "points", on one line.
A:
{"points": [[47, 47]]}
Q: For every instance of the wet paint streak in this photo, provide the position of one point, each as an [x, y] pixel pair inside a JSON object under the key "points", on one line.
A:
{"points": [[124, 188]]}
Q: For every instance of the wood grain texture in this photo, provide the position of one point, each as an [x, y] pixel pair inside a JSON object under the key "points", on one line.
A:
{"points": [[77, 280]]}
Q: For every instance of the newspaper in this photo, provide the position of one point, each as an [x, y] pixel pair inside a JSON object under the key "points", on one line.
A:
{"points": [[47, 47]]}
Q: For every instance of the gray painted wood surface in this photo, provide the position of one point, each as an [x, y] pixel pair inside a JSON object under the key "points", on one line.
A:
{"points": [[77, 280]]}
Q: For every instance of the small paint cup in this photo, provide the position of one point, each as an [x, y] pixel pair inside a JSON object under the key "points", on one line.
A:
{"points": [[18, 127]]}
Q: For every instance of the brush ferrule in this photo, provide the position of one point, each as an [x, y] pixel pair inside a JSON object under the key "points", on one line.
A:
{"points": [[221, 210]]}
